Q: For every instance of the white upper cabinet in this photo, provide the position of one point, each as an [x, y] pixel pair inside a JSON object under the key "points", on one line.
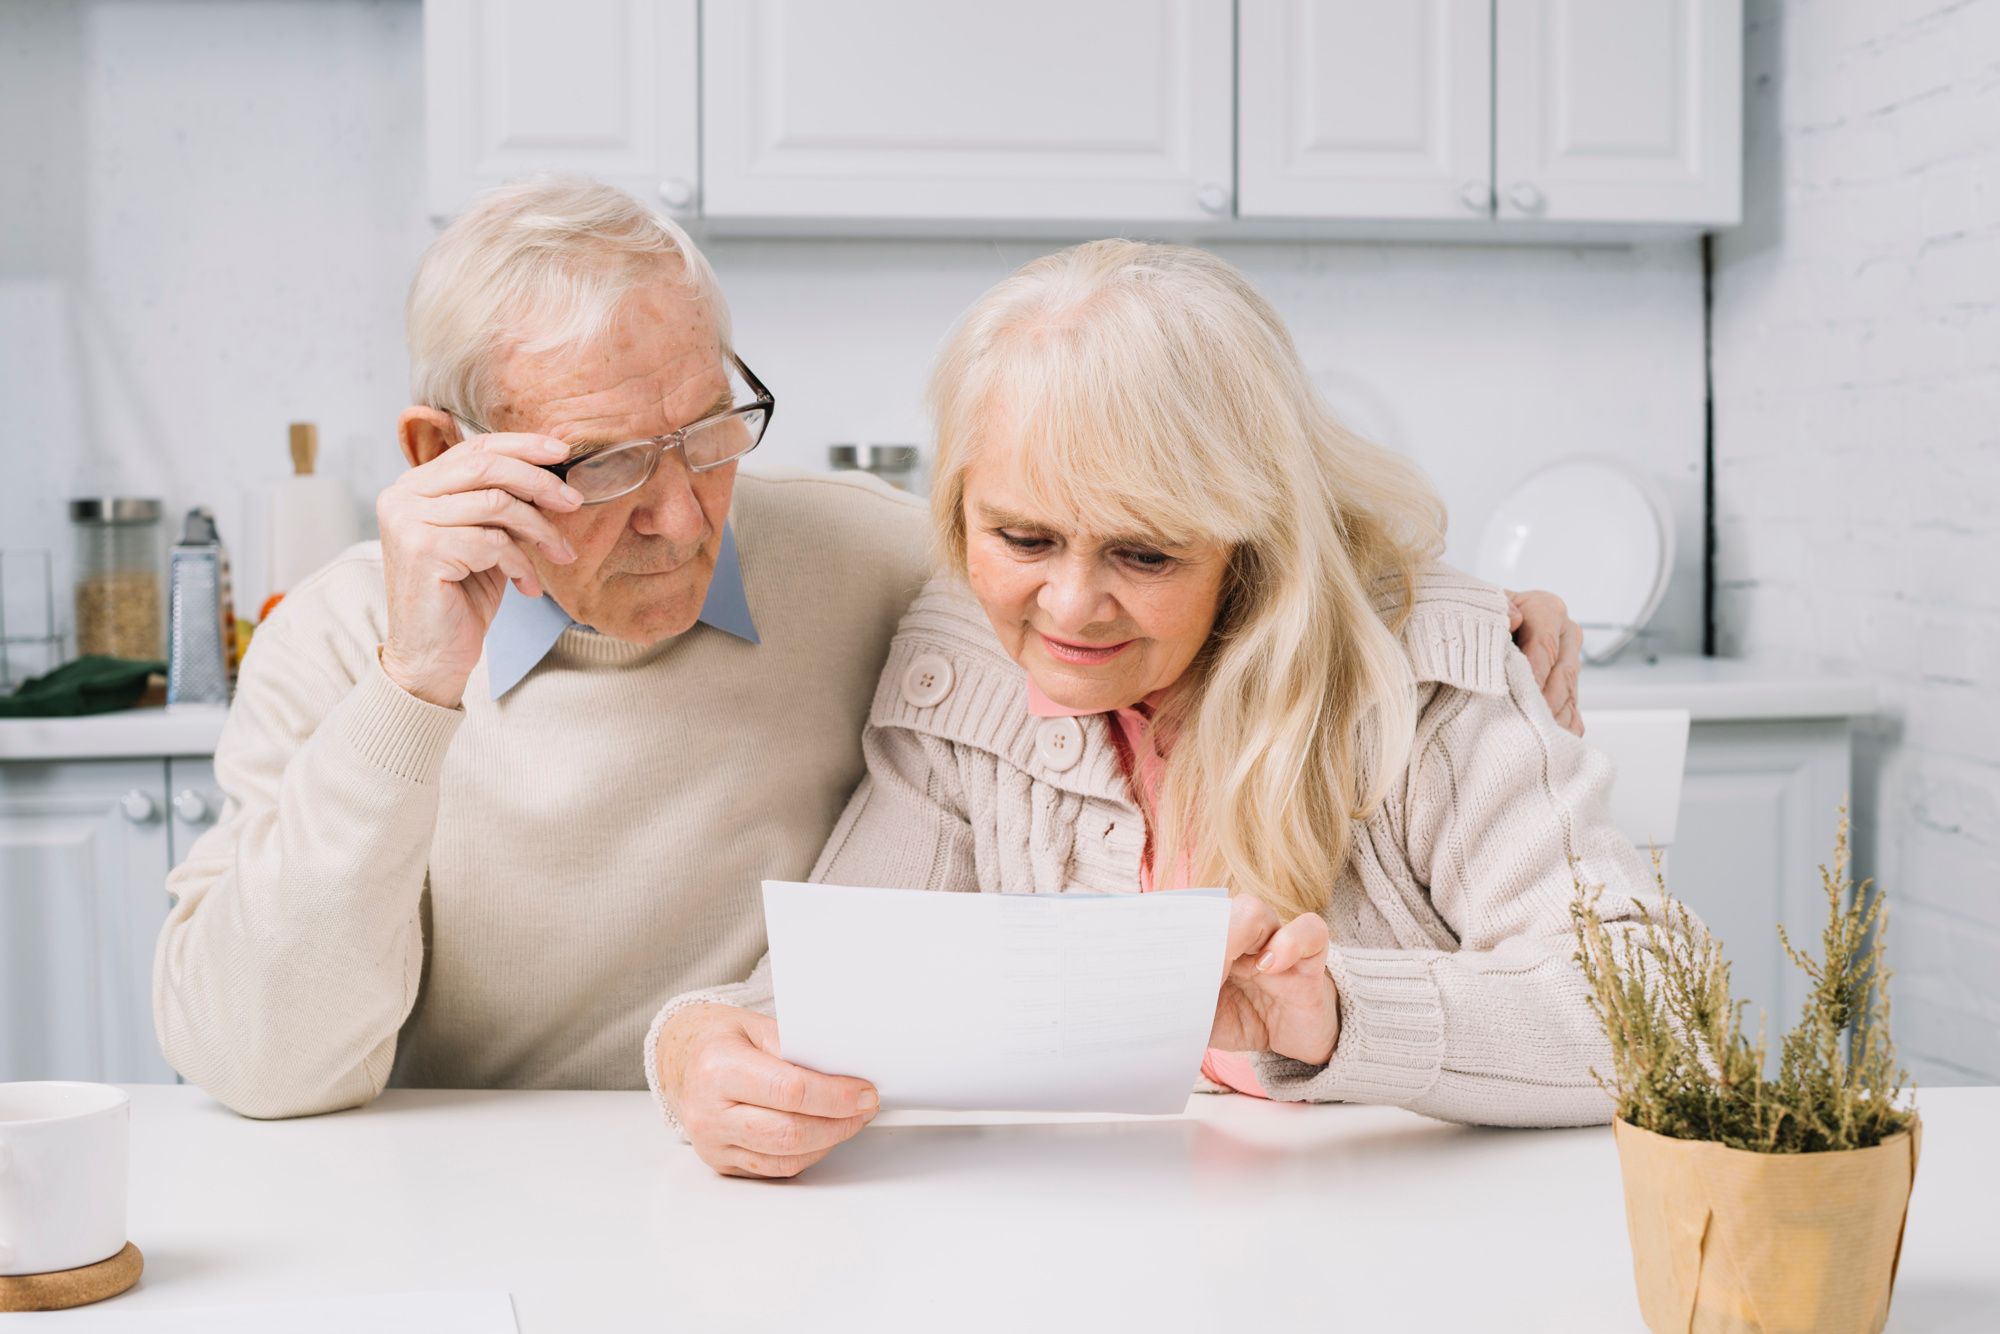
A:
{"points": [[1365, 109], [1619, 111], [905, 110], [1515, 120], [606, 88]]}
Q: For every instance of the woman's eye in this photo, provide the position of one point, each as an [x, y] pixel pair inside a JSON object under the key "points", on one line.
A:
{"points": [[1149, 560], [1022, 543]]}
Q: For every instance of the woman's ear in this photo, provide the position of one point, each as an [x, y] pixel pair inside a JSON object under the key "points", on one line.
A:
{"points": [[425, 433]]}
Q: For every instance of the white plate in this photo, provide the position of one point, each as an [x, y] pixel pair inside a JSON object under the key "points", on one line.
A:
{"points": [[1594, 531]]}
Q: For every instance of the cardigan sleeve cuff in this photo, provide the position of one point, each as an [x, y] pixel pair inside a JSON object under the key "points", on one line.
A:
{"points": [[1391, 1044], [673, 1007], [390, 729]]}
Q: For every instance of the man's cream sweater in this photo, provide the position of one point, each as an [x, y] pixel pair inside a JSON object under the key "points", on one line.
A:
{"points": [[500, 895]]}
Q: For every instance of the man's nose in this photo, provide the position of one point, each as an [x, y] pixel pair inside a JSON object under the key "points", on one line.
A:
{"points": [[1074, 596], [666, 506]]}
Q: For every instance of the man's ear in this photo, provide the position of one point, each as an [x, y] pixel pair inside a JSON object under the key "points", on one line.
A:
{"points": [[425, 433]]}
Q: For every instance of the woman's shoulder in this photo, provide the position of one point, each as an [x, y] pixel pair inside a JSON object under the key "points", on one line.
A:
{"points": [[1453, 627], [946, 669], [947, 677]]}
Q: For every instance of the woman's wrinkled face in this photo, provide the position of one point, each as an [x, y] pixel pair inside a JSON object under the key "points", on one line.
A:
{"points": [[1100, 620]]}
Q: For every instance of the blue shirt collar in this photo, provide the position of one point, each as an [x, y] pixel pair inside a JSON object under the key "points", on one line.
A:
{"points": [[524, 629]]}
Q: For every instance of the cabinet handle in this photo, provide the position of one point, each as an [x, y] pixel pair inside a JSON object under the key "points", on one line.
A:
{"points": [[138, 807], [676, 192], [1477, 196], [1213, 199], [1526, 196], [191, 806]]}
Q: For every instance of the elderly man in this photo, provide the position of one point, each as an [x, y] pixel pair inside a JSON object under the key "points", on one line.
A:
{"points": [[502, 783]]}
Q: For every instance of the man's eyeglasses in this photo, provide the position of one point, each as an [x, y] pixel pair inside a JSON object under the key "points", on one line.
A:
{"points": [[722, 437]]}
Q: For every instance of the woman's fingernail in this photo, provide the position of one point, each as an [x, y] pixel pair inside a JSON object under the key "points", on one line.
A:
{"points": [[572, 495], [1264, 964], [869, 1101], [554, 449]]}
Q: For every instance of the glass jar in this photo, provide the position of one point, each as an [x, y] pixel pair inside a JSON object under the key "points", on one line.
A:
{"points": [[120, 577]]}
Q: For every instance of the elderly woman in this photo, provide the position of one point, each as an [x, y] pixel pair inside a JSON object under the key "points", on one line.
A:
{"points": [[1194, 632]]}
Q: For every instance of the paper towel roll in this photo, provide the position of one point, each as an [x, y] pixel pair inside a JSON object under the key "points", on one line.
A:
{"points": [[311, 520]]}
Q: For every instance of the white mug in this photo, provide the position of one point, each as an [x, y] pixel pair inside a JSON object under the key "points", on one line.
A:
{"points": [[63, 1152]]}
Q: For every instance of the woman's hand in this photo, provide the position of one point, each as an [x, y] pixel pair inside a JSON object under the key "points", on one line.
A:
{"points": [[747, 1111], [1277, 995]]}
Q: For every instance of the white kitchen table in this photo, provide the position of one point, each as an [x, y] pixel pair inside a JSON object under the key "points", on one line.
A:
{"points": [[1242, 1215]]}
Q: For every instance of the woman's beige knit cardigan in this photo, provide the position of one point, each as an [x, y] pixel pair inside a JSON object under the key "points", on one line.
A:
{"points": [[1452, 946]]}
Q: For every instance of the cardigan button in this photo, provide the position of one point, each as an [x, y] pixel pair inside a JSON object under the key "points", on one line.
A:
{"points": [[927, 681], [1059, 744]]}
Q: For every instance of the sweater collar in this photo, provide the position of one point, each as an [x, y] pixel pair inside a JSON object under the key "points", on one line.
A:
{"points": [[524, 629]]}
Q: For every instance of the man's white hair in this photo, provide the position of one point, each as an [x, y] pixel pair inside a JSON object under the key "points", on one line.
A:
{"points": [[537, 265]]}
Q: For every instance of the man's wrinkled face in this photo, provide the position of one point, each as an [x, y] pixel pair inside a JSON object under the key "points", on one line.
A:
{"points": [[644, 560]]}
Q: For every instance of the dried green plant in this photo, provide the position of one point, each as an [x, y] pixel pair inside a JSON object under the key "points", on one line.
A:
{"points": [[1680, 1065]]}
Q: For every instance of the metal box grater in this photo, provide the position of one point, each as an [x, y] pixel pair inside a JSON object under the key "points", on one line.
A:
{"points": [[196, 670]]}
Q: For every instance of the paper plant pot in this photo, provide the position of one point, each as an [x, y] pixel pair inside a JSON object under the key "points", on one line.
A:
{"points": [[1726, 1241]]}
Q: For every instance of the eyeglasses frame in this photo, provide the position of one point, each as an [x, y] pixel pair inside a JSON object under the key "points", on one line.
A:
{"points": [[764, 401]]}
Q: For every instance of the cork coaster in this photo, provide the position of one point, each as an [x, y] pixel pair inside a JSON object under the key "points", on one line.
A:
{"points": [[73, 1287]]}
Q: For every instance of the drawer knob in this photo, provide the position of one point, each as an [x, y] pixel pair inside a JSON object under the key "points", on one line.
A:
{"points": [[191, 806], [137, 806]]}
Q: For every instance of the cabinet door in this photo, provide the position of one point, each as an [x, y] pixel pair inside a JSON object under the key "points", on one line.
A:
{"points": [[1759, 809], [1619, 110], [193, 803], [1364, 108], [909, 109], [83, 868], [607, 88]]}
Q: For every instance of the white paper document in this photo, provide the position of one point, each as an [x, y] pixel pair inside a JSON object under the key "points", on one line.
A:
{"points": [[1003, 1002], [398, 1313]]}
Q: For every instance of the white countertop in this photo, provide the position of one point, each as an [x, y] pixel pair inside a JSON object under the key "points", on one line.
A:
{"points": [[127, 733], [1722, 690], [1277, 1216], [1712, 689]]}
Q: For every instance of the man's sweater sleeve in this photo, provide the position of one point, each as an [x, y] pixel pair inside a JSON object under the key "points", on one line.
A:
{"points": [[294, 948], [1501, 804]]}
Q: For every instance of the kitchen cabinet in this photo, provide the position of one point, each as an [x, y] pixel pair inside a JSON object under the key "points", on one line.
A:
{"points": [[1618, 113], [605, 88], [1759, 811], [1357, 109], [1769, 764], [1493, 112], [93, 814], [909, 109], [1497, 120], [85, 847]]}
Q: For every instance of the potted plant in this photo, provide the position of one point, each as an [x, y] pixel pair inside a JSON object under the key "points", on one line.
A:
{"points": [[1755, 1205]]}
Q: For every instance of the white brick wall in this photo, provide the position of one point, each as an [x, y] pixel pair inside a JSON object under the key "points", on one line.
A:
{"points": [[1856, 364]]}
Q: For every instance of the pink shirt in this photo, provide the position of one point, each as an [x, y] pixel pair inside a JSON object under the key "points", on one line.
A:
{"points": [[1132, 728]]}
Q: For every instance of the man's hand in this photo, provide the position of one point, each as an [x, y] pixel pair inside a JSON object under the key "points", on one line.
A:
{"points": [[455, 530], [1276, 994], [1553, 644], [748, 1112]]}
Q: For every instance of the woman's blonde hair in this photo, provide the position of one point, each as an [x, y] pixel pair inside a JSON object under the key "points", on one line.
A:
{"points": [[539, 264], [1149, 388]]}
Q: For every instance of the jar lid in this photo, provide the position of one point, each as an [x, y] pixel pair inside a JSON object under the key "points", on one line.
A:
{"points": [[113, 509]]}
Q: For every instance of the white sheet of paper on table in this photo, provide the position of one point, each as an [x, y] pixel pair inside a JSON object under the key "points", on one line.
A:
{"points": [[999, 1002], [485, 1312]]}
